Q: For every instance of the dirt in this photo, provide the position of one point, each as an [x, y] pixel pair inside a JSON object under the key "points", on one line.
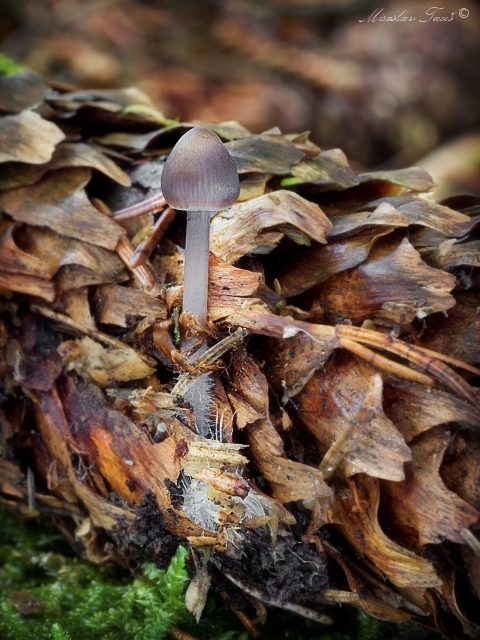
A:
{"points": [[293, 572], [147, 539]]}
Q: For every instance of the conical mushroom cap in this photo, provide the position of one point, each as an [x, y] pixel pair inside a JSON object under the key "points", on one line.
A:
{"points": [[200, 174]]}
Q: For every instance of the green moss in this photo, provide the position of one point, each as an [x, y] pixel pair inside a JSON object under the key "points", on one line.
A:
{"points": [[83, 600], [59, 634], [8, 67]]}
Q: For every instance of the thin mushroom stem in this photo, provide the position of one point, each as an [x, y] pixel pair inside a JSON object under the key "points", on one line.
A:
{"points": [[195, 286], [195, 302]]}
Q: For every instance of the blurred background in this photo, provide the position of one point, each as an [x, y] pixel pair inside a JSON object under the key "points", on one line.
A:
{"points": [[389, 93]]}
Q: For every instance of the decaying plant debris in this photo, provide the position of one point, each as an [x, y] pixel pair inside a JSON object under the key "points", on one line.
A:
{"points": [[343, 330]]}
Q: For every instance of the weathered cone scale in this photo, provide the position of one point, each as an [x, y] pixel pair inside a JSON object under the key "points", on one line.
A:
{"points": [[341, 461], [200, 174]]}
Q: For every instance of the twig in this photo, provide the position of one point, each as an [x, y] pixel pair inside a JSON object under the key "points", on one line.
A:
{"points": [[287, 606], [31, 489], [409, 351], [266, 324], [384, 363], [209, 357], [144, 250], [125, 251], [244, 619], [379, 584], [150, 205], [335, 595], [428, 360], [178, 634], [471, 540], [144, 274], [93, 333]]}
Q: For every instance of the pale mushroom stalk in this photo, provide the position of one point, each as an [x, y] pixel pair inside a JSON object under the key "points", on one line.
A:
{"points": [[195, 278], [199, 177], [195, 301]]}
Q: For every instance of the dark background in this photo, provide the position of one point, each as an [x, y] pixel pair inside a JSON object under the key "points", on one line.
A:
{"points": [[387, 93]]}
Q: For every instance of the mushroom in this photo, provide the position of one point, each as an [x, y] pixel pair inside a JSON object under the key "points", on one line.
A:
{"points": [[199, 177]]}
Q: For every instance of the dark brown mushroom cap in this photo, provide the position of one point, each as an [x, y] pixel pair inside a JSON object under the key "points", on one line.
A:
{"points": [[200, 174]]}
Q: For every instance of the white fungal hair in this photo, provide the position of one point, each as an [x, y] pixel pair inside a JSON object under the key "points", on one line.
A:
{"points": [[291, 331], [199, 395], [252, 505], [218, 432], [196, 506]]}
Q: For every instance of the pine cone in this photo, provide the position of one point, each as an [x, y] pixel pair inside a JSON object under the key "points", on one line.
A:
{"points": [[341, 464]]}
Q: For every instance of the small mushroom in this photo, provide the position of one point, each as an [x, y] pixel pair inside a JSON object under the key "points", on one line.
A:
{"points": [[200, 178]]}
